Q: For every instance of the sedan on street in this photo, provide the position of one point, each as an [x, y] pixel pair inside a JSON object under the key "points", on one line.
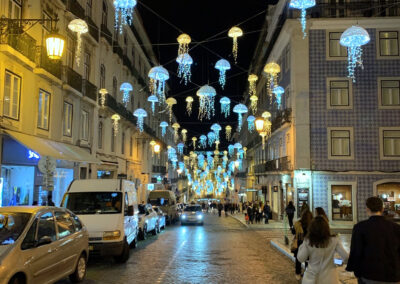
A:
{"points": [[192, 214]]}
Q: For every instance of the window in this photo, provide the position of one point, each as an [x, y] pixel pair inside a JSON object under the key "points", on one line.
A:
{"points": [[88, 10], [44, 110], [131, 146], [65, 224], [12, 90], [70, 51], [391, 143], [102, 76], [390, 92], [287, 57], [104, 14], [46, 227], [77, 223], [335, 49], [14, 9], [115, 87], [67, 121], [123, 143], [340, 142], [389, 43], [100, 135], [112, 139], [339, 93], [86, 66], [30, 237], [84, 125], [342, 209]]}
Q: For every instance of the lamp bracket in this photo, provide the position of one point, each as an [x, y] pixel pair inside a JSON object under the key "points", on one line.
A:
{"points": [[19, 26]]}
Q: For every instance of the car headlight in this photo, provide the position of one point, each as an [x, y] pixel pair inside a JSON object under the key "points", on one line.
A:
{"points": [[183, 216], [200, 216], [111, 235]]}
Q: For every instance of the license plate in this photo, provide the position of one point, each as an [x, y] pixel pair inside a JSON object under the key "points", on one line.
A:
{"points": [[91, 248]]}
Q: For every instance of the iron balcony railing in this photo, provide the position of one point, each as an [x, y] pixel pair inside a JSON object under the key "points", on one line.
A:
{"points": [[42, 61], [282, 117], [75, 8], [89, 90], [160, 169], [117, 49], [105, 32], [72, 78], [280, 164]]}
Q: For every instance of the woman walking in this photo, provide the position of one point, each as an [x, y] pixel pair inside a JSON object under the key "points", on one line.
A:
{"points": [[319, 247], [319, 211], [301, 230], [290, 209]]}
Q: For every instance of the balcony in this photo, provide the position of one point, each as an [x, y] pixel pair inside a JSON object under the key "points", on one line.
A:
{"points": [[105, 32], [51, 66], [117, 49], [93, 29], [280, 164], [119, 109], [72, 78], [89, 90], [21, 42], [75, 8], [160, 169], [126, 61], [282, 117]]}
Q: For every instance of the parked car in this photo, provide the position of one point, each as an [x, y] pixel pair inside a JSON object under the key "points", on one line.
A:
{"points": [[161, 217], [167, 201], [192, 214], [41, 245], [109, 209], [148, 221]]}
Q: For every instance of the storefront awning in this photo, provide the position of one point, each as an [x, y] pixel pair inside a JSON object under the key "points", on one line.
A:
{"points": [[57, 150]]}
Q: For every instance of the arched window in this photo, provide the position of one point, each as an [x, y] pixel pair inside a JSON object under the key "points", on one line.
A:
{"points": [[115, 87], [102, 76], [100, 135]]}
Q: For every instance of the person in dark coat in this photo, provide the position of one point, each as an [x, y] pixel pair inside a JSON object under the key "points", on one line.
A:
{"points": [[267, 211], [220, 206], [375, 247], [226, 209], [250, 213], [290, 209]]}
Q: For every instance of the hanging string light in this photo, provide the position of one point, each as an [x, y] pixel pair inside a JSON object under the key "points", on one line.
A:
{"points": [[203, 141], [222, 65], [278, 92], [152, 144], [103, 92], [302, 5], [250, 123], [123, 13], [240, 109], [234, 33], [252, 84], [189, 103], [153, 99], [184, 41], [163, 126], [245, 152], [125, 89], [272, 70], [176, 127], [158, 76], [185, 62], [170, 103], [206, 96], [184, 135], [140, 114], [115, 119], [354, 38], [228, 132], [225, 106], [253, 103], [80, 27], [194, 140]]}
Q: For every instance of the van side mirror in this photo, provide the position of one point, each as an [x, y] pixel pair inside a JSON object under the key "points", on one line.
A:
{"points": [[45, 240], [130, 210]]}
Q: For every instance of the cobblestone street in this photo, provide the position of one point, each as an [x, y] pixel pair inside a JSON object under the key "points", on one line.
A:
{"points": [[222, 251]]}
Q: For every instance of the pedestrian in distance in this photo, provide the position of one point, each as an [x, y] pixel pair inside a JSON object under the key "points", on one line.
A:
{"points": [[246, 218], [226, 209], [375, 247], [319, 248], [219, 209], [319, 211], [267, 211], [300, 231], [290, 209], [250, 213]]}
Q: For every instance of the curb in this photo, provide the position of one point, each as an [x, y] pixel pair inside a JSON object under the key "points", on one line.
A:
{"points": [[240, 221], [285, 252]]}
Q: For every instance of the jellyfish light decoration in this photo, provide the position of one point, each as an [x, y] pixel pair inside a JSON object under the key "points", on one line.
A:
{"points": [[184, 40], [222, 65], [225, 106], [115, 120], [123, 13], [103, 92], [252, 84], [228, 132], [354, 38], [234, 33], [125, 89], [158, 76], [176, 127], [189, 104], [140, 114], [216, 128], [250, 123], [278, 92], [185, 62], [211, 138], [180, 147], [206, 96], [80, 27], [302, 5], [153, 99], [184, 135], [170, 103], [231, 150], [163, 125], [194, 140], [253, 103], [240, 109], [203, 141], [272, 70]]}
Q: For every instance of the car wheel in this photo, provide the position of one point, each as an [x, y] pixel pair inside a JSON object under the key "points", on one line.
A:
{"points": [[133, 244], [80, 270], [142, 233], [154, 231], [158, 228], [124, 255], [17, 280]]}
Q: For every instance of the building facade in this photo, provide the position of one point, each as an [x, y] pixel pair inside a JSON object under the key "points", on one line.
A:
{"points": [[334, 142], [53, 108]]}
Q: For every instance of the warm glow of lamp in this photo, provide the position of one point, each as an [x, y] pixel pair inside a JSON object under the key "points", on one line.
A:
{"points": [[237, 164], [55, 46], [259, 124], [157, 148]]}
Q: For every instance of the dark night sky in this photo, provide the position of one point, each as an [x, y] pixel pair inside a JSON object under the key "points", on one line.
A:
{"points": [[202, 20]]}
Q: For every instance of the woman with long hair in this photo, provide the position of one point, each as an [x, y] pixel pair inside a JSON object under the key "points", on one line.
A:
{"points": [[319, 248], [319, 211], [301, 230]]}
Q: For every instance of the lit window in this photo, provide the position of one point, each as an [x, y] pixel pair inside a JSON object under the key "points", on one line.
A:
{"points": [[14, 9], [389, 43], [335, 49], [340, 143], [12, 92], [342, 209], [390, 93], [67, 121], [339, 93], [43, 110], [391, 143]]}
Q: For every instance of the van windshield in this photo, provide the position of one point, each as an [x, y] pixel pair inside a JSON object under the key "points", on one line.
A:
{"points": [[93, 202], [159, 201]]}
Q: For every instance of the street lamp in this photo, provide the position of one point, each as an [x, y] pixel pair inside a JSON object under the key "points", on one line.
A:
{"points": [[157, 148], [55, 46], [259, 124]]}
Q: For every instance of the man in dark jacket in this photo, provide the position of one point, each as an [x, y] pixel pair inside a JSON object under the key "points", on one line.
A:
{"points": [[220, 207], [375, 247], [267, 211]]}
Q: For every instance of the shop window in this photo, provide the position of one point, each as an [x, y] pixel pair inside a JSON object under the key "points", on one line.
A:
{"points": [[84, 125], [46, 226], [342, 207], [62, 179], [18, 185], [339, 93], [12, 93], [389, 43], [100, 135], [391, 143], [65, 224], [390, 93], [390, 194], [43, 110], [14, 9], [340, 143], [335, 48], [67, 120]]}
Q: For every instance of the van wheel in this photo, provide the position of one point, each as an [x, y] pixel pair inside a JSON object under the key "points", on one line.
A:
{"points": [[17, 279], [142, 233], [133, 244], [124, 255], [154, 232], [80, 270]]}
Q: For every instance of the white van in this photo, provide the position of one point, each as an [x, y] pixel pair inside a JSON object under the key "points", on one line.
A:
{"points": [[167, 201], [109, 209]]}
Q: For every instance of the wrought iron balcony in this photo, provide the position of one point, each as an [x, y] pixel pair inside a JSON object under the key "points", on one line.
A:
{"points": [[117, 49], [282, 117], [160, 169], [72, 78], [13, 35], [119, 109], [75, 8], [127, 62], [93, 29], [42, 60], [89, 90], [105, 32], [280, 164]]}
